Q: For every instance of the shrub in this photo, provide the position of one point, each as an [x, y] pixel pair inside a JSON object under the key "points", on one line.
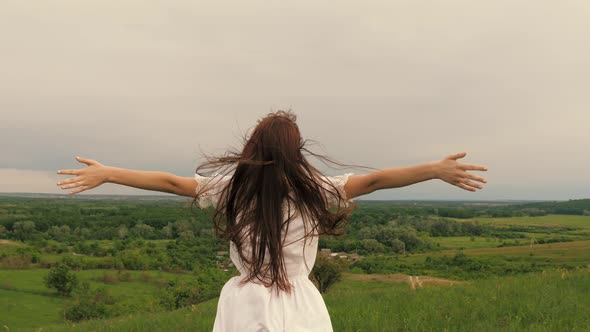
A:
{"points": [[178, 294], [210, 281], [88, 303], [109, 278], [144, 276], [125, 276], [133, 261], [71, 262], [61, 278], [15, 262], [34, 254], [326, 272]]}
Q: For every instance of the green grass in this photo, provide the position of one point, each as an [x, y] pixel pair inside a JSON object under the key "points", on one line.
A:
{"points": [[559, 252], [575, 228], [19, 308], [550, 301], [25, 292], [196, 318], [109, 243], [532, 302], [552, 220], [539, 302], [458, 242]]}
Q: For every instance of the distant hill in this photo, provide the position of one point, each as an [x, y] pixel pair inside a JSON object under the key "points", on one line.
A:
{"points": [[91, 196], [572, 206]]}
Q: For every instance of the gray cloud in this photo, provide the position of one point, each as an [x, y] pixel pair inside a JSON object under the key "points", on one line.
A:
{"points": [[149, 85]]}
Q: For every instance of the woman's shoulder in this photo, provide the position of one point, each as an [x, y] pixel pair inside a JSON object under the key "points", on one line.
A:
{"points": [[340, 179], [209, 188]]}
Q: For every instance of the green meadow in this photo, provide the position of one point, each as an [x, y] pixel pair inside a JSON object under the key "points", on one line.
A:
{"points": [[549, 301], [416, 271], [552, 220], [23, 293]]}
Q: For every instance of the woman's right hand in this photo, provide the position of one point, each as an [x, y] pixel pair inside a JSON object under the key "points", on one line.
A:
{"points": [[455, 173], [86, 178]]}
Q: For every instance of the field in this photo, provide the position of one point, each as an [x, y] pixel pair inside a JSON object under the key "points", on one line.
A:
{"points": [[551, 220], [23, 292], [531, 228], [521, 274], [463, 242], [551, 301], [559, 252]]}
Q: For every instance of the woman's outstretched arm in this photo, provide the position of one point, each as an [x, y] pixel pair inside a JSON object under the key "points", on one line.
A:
{"points": [[447, 169], [96, 174]]}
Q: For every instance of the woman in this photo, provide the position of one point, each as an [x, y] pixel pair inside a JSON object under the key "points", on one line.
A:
{"points": [[272, 208]]}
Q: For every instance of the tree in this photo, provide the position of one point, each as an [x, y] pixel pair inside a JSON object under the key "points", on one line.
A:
{"points": [[373, 246], [122, 232], [143, 231], [186, 235], [326, 271], [181, 226], [23, 230], [167, 231], [59, 233], [61, 278], [398, 246]]}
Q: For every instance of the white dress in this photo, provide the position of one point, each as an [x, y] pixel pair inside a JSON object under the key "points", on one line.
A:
{"points": [[253, 306]]}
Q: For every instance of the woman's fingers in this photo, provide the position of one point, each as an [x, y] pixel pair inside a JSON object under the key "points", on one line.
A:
{"points": [[456, 156], [86, 161], [72, 185], [472, 167], [77, 171], [456, 173], [69, 171], [82, 188], [70, 180], [463, 186], [472, 184], [83, 176], [475, 177], [468, 185]]}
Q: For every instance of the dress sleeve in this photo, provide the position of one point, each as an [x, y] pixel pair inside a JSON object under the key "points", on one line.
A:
{"points": [[213, 187], [339, 181]]}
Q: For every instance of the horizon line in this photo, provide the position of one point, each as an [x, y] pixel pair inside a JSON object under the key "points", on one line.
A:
{"points": [[365, 200]]}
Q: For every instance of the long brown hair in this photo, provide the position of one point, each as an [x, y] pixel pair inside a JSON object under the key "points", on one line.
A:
{"points": [[270, 165]]}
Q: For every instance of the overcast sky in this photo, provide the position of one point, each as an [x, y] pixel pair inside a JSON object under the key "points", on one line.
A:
{"points": [[152, 84]]}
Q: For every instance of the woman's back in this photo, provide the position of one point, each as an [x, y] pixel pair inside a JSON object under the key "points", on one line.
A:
{"points": [[255, 307]]}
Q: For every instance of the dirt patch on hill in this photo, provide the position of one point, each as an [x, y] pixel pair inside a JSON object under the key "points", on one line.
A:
{"points": [[413, 281], [12, 243], [437, 281], [395, 277]]}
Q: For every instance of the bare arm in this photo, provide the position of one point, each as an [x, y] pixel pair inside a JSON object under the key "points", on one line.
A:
{"points": [[447, 169], [96, 174]]}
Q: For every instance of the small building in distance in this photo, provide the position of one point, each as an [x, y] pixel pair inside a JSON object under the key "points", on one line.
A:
{"points": [[342, 255]]}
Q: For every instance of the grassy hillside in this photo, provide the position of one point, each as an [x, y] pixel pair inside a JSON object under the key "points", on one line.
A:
{"points": [[426, 271], [23, 292], [552, 220], [550, 301]]}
